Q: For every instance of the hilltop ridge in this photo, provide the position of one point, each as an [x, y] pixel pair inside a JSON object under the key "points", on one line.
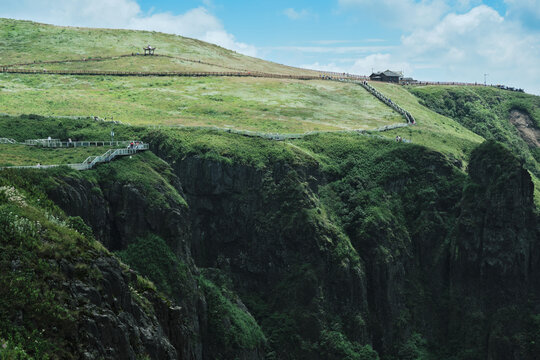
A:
{"points": [[27, 42]]}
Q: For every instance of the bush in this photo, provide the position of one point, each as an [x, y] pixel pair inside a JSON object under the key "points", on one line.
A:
{"points": [[335, 346], [151, 257]]}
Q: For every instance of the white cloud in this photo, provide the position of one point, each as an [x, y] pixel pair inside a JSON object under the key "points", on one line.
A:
{"points": [[295, 15], [523, 8], [466, 46], [197, 23], [403, 14], [330, 42], [364, 65], [331, 67], [460, 47], [379, 62], [454, 31]]}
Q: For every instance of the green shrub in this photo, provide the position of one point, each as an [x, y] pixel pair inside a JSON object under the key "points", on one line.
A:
{"points": [[151, 257], [230, 327], [335, 346]]}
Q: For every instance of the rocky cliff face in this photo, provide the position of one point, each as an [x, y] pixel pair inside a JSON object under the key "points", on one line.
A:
{"points": [[496, 228], [265, 229], [120, 211], [494, 264], [118, 323], [399, 251]]}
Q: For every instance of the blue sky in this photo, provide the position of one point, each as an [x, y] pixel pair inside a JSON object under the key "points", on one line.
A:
{"points": [[444, 40]]}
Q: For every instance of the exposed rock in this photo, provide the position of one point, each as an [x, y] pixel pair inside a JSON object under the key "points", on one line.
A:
{"points": [[528, 131]]}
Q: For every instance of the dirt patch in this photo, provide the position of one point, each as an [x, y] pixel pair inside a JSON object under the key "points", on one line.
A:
{"points": [[528, 131]]}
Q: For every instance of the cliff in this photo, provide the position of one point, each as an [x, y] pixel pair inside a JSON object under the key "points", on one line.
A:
{"points": [[331, 247]]}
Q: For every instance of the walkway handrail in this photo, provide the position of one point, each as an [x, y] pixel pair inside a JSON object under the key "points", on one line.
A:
{"points": [[55, 143], [407, 115], [91, 161]]}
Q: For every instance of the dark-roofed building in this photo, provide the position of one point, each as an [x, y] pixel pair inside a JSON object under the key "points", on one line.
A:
{"points": [[387, 76]]}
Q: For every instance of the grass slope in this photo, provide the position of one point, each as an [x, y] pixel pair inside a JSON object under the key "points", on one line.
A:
{"points": [[26, 41], [132, 63], [432, 130], [270, 105], [486, 112]]}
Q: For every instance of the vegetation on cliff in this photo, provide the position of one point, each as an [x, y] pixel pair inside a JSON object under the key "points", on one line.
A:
{"points": [[487, 112], [331, 246]]}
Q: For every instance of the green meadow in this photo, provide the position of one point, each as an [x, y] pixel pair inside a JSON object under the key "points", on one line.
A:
{"points": [[268, 105]]}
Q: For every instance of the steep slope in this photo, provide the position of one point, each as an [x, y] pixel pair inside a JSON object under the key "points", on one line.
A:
{"points": [[63, 295], [329, 247], [90, 305]]}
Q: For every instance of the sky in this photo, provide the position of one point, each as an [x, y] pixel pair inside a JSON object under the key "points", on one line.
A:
{"points": [[433, 40]]}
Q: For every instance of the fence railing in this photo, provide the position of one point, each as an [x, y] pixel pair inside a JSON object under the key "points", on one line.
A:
{"points": [[91, 161], [326, 75], [55, 143], [7, 141], [407, 115], [160, 73], [195, 61]]}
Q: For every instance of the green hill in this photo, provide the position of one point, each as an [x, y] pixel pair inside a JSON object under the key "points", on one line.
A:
{"points": [[509, 117], [27, 42], [269, 105]]}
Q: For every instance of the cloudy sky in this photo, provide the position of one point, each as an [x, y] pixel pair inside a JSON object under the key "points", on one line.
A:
{"points": [[441, 40]]}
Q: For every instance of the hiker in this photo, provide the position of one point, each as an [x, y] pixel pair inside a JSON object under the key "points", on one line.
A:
{"points": [[70, 143], [38, 165]]}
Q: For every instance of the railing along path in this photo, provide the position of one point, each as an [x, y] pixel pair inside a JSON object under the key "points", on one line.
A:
{"points": [[407, 115], [90, 161], [56, 143]]}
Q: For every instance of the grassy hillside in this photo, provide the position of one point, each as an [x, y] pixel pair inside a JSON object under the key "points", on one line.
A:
{"points": [[132, 63], [270, 105], [26, 42], [490, 113], [432, 130]]}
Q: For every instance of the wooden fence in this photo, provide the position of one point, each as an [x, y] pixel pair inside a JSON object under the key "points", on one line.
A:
{"points": [[158, 73], [55, 143]]}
